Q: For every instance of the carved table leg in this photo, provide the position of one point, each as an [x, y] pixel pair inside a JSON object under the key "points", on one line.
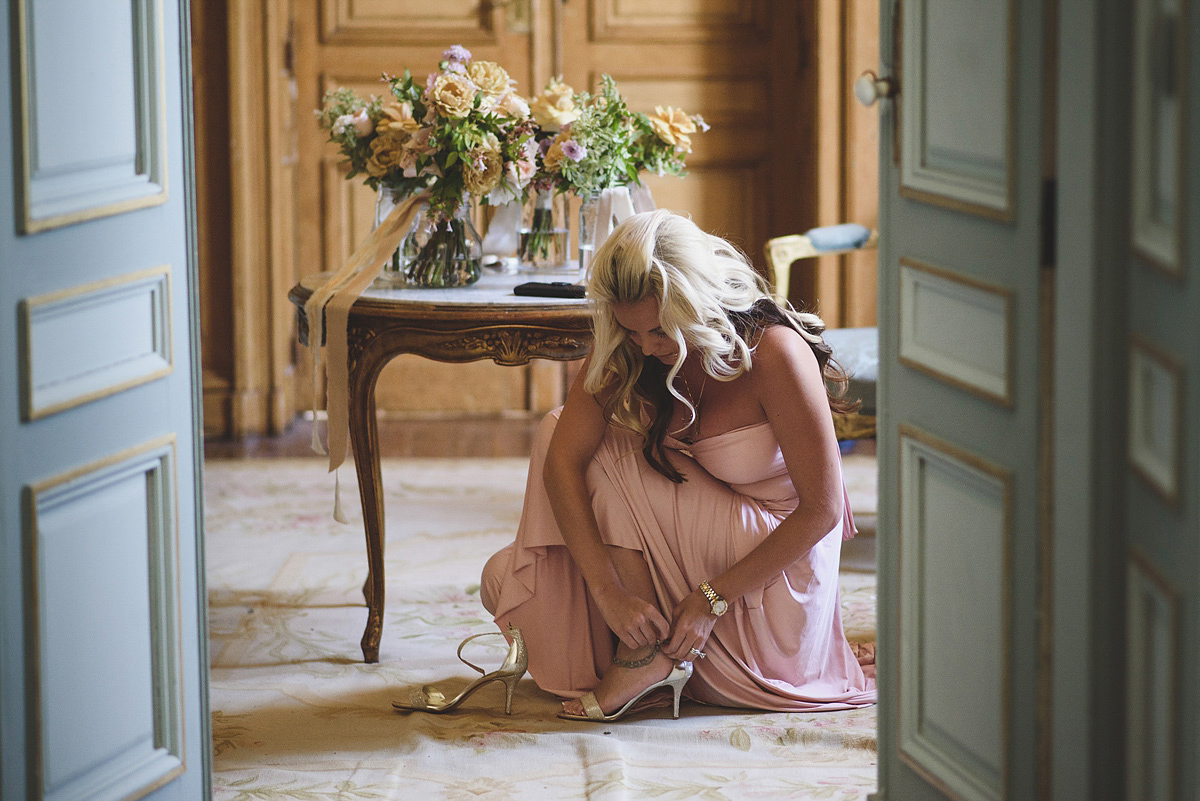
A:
{"points": [[364, 436]]}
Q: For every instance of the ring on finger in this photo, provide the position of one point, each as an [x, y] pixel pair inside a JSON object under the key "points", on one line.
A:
{"points": [[696, 652]]}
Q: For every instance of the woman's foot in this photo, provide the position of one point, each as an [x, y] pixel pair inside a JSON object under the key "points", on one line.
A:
{"points": [[621, 684]]}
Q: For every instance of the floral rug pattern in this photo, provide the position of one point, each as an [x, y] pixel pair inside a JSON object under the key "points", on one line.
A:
{"points": [[298, 715]]}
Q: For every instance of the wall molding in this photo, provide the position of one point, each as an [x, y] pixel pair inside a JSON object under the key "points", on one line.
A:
{"points": [[58, 188], [946, 492], [95, 340], [128, 752]]}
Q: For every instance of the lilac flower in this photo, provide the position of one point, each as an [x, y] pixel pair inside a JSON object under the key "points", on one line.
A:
{"points": [[457, 53], [573, 150]]}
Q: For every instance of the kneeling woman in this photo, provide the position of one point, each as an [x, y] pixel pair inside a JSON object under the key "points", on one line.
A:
{"points": [[685, 508]]}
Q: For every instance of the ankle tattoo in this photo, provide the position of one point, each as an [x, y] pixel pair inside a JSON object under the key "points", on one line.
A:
{"points": [[637, 663]]}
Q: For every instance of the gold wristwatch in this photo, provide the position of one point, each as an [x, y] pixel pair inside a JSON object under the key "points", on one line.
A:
{"points": [[716, 604]]}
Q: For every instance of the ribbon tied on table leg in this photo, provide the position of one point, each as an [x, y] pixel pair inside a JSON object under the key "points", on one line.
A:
{"points": [[328, 313]]}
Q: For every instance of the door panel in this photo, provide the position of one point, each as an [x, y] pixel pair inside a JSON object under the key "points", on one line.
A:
{"points": [[1163, 360], [104, 668], [962, 333]]}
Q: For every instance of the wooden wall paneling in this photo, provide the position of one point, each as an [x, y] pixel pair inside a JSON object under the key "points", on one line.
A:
{"points": [[245, 191], [751, 68], [861, 173], [351, 45], [848, 170], [210, 78], [734, 63]]}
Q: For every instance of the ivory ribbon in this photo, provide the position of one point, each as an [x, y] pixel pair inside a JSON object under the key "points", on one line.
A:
{"points": [[328, 312]]}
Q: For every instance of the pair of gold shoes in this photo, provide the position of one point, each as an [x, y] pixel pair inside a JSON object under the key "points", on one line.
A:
{"points": [[431, 699]]}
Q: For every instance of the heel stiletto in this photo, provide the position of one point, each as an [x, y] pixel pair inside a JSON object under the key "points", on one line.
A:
{"points": [[431, 699], [679, 675]]}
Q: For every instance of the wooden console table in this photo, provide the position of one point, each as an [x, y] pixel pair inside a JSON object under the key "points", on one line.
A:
{"points": [[482, 321]]}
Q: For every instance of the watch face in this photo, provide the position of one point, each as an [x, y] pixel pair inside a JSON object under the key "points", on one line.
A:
{"points": [[719, 606]]}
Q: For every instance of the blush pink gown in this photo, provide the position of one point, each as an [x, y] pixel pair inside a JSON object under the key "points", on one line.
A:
{"points": [[779, 648]]}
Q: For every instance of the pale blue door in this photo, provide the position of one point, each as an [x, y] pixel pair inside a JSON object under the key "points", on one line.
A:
{"points": [[103, 670], [964, 322]]}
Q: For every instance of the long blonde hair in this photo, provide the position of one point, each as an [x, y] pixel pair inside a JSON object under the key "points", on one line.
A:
{"points": [[710, 298]]}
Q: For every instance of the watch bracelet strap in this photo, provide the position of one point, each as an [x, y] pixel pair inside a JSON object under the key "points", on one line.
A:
{"points": [[709, 592]]}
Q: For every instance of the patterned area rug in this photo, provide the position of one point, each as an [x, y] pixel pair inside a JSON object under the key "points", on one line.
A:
{"points": [[297, 715]]}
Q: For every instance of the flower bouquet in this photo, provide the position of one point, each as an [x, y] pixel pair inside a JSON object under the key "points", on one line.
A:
{"points": [[463, 133], [589, 143]]}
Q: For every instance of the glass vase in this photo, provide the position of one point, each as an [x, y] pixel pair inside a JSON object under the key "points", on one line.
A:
{"points": [[392, 274], [588, 205], [544, 236], [444, 252]]}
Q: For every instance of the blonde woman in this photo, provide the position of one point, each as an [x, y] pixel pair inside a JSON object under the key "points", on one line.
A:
{"points": [[685, 507]]}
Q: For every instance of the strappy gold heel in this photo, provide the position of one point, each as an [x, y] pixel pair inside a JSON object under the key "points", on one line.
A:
{"points": [[431, 699], [679, 675]]}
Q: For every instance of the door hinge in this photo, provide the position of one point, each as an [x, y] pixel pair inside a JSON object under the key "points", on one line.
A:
{"points": [[1049, 222]]}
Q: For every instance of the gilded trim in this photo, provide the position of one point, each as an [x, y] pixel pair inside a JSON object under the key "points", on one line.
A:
{"points": [[26, 310], [1004, 398], [1155, 474], [911, 139], [166, 629], [1004, 478], [151, 123], [1156, 244], [1143, 575]]}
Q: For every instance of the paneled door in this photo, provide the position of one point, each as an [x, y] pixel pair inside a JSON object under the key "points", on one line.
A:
{"points": [[103, 662], [963, 320], [740, 64], [1162, 475]]}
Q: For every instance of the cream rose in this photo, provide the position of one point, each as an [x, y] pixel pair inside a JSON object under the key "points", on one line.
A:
{"points": [[512, 105], [555, 106], [672, 126], [490, 77], [452, 94]]}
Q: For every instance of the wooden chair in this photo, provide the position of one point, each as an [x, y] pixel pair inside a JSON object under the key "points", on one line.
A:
{"points": [[856, 349]]}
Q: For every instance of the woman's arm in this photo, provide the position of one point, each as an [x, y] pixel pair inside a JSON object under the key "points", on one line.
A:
{"points": [[580, 429], [787, 383]]}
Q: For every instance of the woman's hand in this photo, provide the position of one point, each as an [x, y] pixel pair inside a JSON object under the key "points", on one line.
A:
{"points": [[635, 622], [691, 622]]}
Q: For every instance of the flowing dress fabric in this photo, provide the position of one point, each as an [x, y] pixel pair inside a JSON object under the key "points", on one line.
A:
{"points": [[779, 648]]}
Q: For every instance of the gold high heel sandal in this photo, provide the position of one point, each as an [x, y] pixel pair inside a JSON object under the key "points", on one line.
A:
{"points": [[431, 699], [679, 675]]}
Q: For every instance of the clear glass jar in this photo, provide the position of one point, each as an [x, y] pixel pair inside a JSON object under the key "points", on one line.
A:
{"points": [[543, 240], [443, 251]]}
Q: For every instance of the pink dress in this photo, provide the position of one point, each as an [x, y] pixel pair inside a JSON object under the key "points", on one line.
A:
{"points": [[780, 648]]}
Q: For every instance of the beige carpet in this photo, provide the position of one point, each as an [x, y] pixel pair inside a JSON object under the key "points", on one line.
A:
{"points": [[297, 715]]}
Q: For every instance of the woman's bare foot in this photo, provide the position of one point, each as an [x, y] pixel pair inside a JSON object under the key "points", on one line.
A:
{"points": [[621, 684]]}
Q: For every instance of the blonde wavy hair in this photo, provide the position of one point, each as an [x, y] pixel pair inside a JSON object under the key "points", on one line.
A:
{"points": [[710, 298]]}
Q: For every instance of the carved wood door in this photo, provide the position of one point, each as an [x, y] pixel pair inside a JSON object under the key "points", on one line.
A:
{"points": [[739, 64]]}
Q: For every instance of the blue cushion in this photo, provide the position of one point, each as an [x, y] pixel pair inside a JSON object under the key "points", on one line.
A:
{"points": [[857, 351], [838, 237]]}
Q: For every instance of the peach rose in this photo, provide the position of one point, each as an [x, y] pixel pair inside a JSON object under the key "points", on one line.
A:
{"points": [[397, 118], [672, 126]]}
